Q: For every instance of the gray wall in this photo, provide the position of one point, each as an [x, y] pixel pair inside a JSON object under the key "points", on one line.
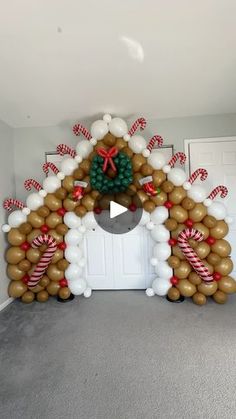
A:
{"points": [[7, 189]]}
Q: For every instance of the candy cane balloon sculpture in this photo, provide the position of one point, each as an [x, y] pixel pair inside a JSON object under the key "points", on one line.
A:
{"points": [[51, 166], [9, 203], [140, 123], [80, 129], [221, 189], [178, 156], [29, 183], [201, 173], [155, 139], [63, 149], [191, 256]]}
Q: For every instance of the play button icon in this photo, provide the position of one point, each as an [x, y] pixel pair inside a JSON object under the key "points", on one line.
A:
{"points": [[118, 213]]}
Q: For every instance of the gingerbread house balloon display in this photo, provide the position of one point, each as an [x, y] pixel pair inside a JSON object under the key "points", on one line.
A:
{"points": [[191, 257]]}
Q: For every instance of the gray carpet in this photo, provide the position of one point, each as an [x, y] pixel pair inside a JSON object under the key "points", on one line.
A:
{"points": [[118, 355]]}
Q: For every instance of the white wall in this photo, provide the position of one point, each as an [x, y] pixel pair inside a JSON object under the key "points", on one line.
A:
{"points": [[7, 189], [31, 143]]}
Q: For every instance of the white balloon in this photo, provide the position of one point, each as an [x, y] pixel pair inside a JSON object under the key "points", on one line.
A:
{"points": [[16, 218], [77, 287], [159, 215], [34, 201], [217, 210], [163, 270], [73, 237], [73, 254], [51, 184], [162, 251], [73, 272], [150, 292], [72, 220], [88, 292], [88, 220], [144, 219], [118, 127], [160, 233], [137, 143], [68, 166], [156, 160], [197, 193], [84, 148], [177, 176], [99, 129], [6, 228], [161, 286]]}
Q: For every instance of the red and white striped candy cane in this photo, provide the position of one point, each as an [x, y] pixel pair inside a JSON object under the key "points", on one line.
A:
{"points": [[140, 123], [51, 166], [177, 156], [29, 183], [63, 149], [191, 256], [45, 260], [155, 139], [11, 202], [219, 189], [80, 129], [203, 175]]}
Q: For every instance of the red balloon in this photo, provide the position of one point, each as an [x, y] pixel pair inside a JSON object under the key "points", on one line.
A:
{"points": [[189, 223], [168, 204], [63, 283], [210, 240], [132, 207], [172, 242], [217, 276], [174, 280], [44, 228], [61, 246], [25, 279], [97, 210], [61, 211], [25, 246]]}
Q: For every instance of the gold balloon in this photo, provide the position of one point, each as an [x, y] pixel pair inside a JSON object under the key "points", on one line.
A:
{"points": [[203, 229], [210, 267], [175, 233], [58, 255], [131, 191], [43, 211], [104, 202], [109, 140], [177, 195], [25, 228], [120, 143], [173, 261], [62, 264], [213, 259], [27, 297], [178, 213], [36, 289], [137, 161], [171, 224], [136, 179], [53, 288], [64, 293], [220, 297], [96, 195], [61, 193], [167, 186], [92, 155], [207, 288], [128, 152], [85, 166], [209, 221], [54, 273], [203, 249], [222, 248], [44, 281], [78, 173], [227, 284], [42, 296], [183, 270], [188, 204], [158, 177], [186, 288], [193, 243], [35, 220], [61, 229], [57, 237], [224, 267], [69, 204], [52, 202], [53, 220], [197, 213], [199, 299], [68, 183], [33, 234], [194, 278], [177, 252], [159, 199], [146, 169], [33, 255], [220, 230], [13, 272], [24, 265], [173, 294], [88, 202], [123, 199], [141, 196], [16, 289], [15, 237], [149, 206], [14, 255], [80, 211]]}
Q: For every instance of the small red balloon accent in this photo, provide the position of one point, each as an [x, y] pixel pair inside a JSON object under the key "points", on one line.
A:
{"points": [[61, 212], [132, 207], [63, 283], [25, 246], [210, 240], [61, 246], [217, 276], [189, 223], [174, 280], [44, 228], [97, 210], [25, 279], [172, 242], [168, 204]]}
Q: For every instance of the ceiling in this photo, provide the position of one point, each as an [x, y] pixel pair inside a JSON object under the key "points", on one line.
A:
{"points": [[70, 59]]}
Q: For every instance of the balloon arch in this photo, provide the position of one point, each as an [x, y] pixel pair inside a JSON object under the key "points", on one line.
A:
{"points": [[191, 256]]}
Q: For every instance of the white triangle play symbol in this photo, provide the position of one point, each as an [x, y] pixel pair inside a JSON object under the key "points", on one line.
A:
{"points": [[116, 209]]}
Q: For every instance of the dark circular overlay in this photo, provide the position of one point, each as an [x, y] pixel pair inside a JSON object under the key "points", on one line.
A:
{"points": [[123, 223]]}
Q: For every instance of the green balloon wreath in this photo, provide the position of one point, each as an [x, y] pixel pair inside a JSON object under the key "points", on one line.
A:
{"points": [[104, 184]]}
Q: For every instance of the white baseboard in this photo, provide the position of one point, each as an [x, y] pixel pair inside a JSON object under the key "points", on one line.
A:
{"points": [[5, 303]]}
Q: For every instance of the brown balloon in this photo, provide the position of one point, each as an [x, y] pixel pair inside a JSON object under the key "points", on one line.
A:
{"points": [[207, 288], [43, 211], [158, 177], [33, 255], [174, 262], [224, 267], [213, 259], [220, 230], [194, 278], [203, 229], [137, 161], [33, 234], [52, 202], [222, 248], [171, 224], [35, 220], [104, 202], [58, 255], [220, 297], [44, 281], [62, 264], [227, 284], [92, 155], [95, 195], [209, 221], [42, 296], [183, 270], [149, 206], [16, 289], [61, 193], [53, 288], [13, 272], [177, 252], [70, 204], [14, 255], [177, 195], [24, 265], [146, 169], [88, 202], [61, 229], [109, 140], [131, 191], [198, 213], [54, 273], [28, 297], [178, 213], [188, 204], [199, 299], [15, 237], [53, 220], [128, 152], [80, 210], [85, 166], [167, 186], [186, 288], [159, 199], [78, 173], [64, 293], [68, 183], [202, 250], [25, 228], [88, 188], [173, 294]]}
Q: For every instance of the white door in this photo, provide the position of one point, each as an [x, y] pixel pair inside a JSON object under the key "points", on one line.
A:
{"points": [[218, 156]]}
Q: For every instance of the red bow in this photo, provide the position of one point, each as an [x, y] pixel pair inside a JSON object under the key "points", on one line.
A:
{"points": [[150, 189], [107, 155], [77, 193]]}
